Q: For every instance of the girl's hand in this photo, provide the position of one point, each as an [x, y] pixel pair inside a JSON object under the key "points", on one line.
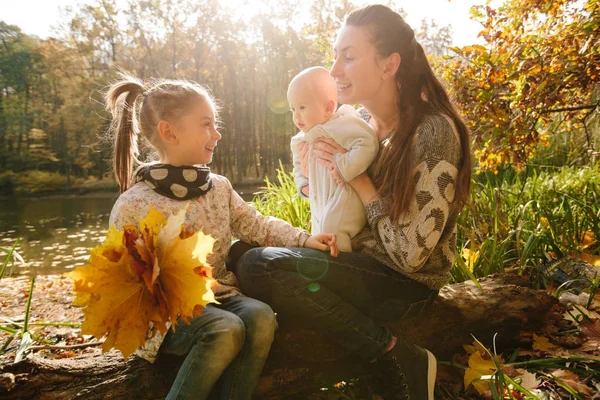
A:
{"points": [[323, 242], [303, 153]]}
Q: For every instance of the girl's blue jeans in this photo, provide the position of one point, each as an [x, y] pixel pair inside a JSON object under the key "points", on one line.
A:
{"points": [[231, 340]]}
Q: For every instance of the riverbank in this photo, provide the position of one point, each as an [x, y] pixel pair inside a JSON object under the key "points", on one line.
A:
{"points": [[108, 188]]}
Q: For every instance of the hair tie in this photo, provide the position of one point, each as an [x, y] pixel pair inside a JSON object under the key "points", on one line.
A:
{"points": [[146, 90]]}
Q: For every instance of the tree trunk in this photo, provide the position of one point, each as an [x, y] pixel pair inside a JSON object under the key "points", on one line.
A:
{"points": [[504, 306]]}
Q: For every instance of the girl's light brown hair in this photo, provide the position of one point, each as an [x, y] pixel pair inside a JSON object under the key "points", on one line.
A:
{"points": [[418, 91], [137, 108]]}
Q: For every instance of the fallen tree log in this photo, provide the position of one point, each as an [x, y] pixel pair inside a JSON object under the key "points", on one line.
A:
{"points": [[300, 360]]}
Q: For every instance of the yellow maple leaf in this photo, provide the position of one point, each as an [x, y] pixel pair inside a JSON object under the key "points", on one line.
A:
{"points": [[479, 368], [542, 343], [587, 239], [179, 275], [116, 302], [139, 281], [590, 258]]}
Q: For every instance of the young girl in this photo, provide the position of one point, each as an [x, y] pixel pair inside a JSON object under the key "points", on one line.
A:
{"points": [[412, 194], [178, 118]]}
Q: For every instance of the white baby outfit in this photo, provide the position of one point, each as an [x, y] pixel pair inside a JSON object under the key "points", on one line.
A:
{"points": [[337, 208]]}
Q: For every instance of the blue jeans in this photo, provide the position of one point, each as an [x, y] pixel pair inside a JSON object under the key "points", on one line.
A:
{"points": [[347, 297], [231, 340]]}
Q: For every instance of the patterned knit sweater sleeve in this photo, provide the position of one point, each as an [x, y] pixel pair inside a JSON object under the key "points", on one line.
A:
{"points": [[435, 159]]}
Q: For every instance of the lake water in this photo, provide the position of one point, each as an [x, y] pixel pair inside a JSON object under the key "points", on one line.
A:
{"points": [[57, 232]]}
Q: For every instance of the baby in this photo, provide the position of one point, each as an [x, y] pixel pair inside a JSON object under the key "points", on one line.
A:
{"points": [[312, 96]]}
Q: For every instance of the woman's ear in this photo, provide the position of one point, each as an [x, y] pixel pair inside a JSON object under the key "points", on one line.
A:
{"points": [[329, 108], [391, 65], [166, 132]]}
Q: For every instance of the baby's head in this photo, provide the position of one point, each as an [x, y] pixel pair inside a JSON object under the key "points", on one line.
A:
{"points": [[312, 95]]}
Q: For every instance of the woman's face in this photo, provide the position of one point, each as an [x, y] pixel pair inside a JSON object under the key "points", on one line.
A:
{"points": [[358, 68]]}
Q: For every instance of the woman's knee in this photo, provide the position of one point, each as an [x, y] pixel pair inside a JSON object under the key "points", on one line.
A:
{"points": [[236, 251]]}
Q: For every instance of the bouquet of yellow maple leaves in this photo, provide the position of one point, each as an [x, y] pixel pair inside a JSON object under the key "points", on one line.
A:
{"points": [[139, 281]]}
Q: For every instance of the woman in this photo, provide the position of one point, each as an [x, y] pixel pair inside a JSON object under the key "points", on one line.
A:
{"points": [[412, 193]]}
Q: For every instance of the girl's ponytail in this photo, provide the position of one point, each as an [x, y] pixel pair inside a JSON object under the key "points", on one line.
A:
{"points": [[122, 102]]}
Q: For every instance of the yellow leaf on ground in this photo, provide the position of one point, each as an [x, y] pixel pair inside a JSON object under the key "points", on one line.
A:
{"points": [[590, 258], [587, 239], [541, 343], [478, 367]]}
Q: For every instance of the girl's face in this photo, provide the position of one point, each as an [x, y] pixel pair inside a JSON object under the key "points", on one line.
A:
{"points": [[357, 68], [196, 136]]}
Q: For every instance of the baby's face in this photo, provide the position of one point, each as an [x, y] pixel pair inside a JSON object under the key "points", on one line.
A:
{"points": [[308, 109]]}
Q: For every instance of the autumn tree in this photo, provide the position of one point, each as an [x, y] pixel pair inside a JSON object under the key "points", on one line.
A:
{"points": [[55, 86], [540, 62]]}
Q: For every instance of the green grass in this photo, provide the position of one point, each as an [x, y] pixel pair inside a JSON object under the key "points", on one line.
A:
{"points": [[281, 199], [522, 220]]}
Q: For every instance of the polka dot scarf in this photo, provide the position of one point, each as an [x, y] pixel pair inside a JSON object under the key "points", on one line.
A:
{"points": [[179, 182]]}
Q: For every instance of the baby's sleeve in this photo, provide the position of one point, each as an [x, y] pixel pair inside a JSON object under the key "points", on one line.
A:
{"points": [[362, 145], [299, 179]]}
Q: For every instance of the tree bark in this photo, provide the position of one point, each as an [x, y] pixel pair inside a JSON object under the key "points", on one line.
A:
{"points": [[300, 360]]}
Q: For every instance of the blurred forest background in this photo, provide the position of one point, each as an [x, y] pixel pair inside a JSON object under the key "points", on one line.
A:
{"points": [[533, 81]]}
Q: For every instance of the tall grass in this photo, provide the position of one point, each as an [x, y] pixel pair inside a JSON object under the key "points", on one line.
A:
{"points": [[523, 220], [513, 220], [281, 199]]}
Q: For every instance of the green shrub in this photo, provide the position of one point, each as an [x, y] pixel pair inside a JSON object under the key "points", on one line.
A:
{"points": [[7, 182], [39, 181], [524, 220], [282, 200]]}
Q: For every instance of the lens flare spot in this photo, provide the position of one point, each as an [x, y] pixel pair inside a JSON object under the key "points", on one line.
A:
{"points": [[314, 287]]}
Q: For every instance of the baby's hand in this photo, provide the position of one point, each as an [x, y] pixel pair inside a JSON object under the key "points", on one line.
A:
{"points": [[333, 172]]}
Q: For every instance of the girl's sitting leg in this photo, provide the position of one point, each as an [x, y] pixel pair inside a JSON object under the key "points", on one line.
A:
{"points": [[211, 341], [231, 339], [241, 377]]}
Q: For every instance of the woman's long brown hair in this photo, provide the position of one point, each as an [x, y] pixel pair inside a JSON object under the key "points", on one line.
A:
{"points": [[418, 90]]}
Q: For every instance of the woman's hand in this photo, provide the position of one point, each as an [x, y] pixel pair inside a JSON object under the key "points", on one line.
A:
{"points": [[323, 242], [364, 187], [325, 150], [303, 153]]}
